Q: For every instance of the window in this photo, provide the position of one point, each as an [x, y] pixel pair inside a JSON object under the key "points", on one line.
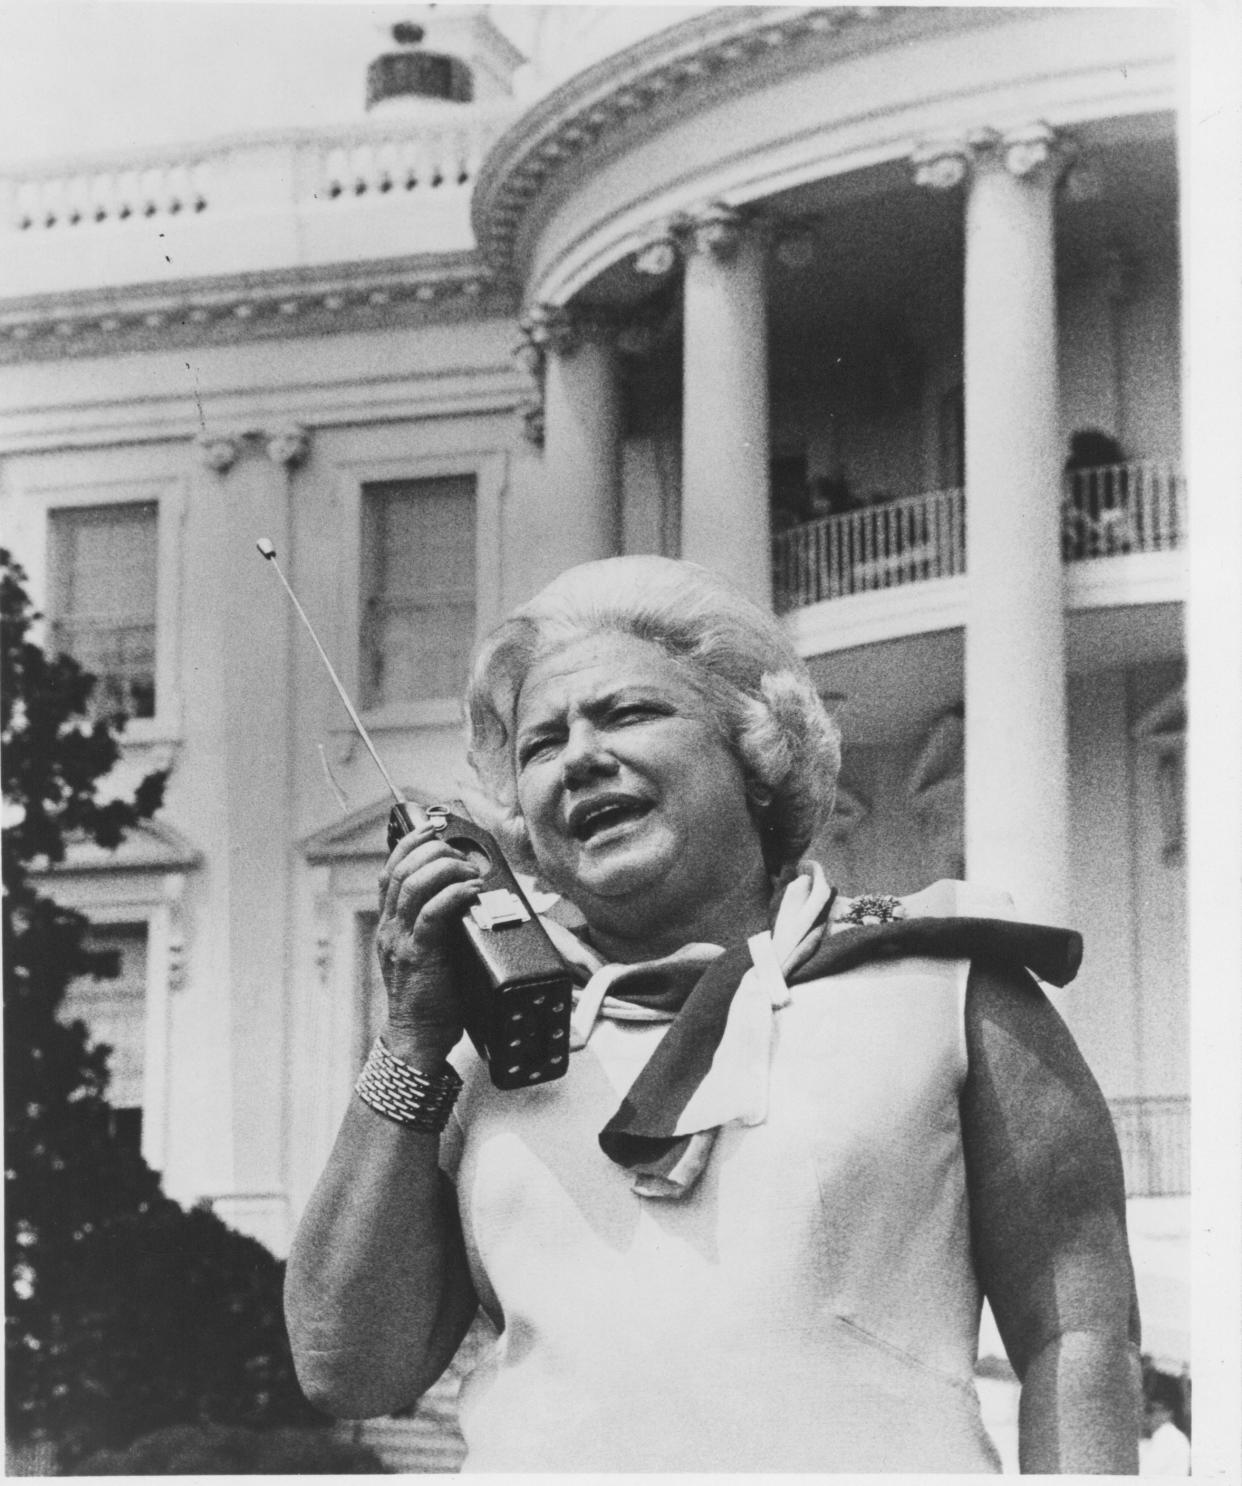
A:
{"points": [[102, 595], [418, 589], [114, 1011]]}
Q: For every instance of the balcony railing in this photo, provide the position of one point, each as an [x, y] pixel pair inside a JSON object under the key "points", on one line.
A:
{"points": [[1112, 511], [235, 205], [882, 546], [1122, 508], [1154, 1135]]}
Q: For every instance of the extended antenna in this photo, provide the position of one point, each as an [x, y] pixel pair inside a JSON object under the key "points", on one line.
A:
{"points": [[269, 552]]}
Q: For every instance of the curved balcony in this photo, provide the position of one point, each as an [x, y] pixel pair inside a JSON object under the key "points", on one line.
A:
{"points": [[1110, 511]]}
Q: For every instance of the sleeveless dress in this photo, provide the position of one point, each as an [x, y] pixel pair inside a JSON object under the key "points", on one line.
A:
{"points": [[810, 1306]]}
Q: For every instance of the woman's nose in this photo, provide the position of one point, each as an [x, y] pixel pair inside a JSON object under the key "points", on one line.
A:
{"points": [[584, 756]]}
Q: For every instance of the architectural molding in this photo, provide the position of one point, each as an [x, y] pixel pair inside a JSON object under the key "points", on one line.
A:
{"points": [[717, 231], [246, 307], [560, 329], [673, 66], [176, 951], [218, 452], [657, 258], [555, 330], [405, 391], [943, 163], [287, 445], [940, 164], [534, 424], [324, 921], [150, 846], [359, 834]]}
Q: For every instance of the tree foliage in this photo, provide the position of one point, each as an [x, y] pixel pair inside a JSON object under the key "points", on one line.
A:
{"points": [[125, 1313]]}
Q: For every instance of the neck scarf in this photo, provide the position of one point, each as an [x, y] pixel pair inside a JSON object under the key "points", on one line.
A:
{"points": [[711, 1068]]}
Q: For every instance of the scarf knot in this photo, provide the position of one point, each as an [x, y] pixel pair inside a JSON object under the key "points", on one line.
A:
{"points": [[711, 1068]]}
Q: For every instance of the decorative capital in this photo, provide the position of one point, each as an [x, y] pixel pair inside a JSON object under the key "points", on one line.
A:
{"points": [[287, 445], [531, 414], [1027, 150], [941, 164], [550, 328], [658, 258], [218, 451], [717, 230], [561, 329], [529, 356]]}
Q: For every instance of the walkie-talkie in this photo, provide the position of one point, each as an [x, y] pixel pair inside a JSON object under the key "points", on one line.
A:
{"points": [[514, 983], [515, 986]]}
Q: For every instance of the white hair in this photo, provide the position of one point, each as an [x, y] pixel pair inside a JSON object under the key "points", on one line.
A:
{"points": [[761, 694]]}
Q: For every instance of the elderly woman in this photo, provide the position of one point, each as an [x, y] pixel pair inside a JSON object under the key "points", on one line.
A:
{"points": [[752, 1228]]}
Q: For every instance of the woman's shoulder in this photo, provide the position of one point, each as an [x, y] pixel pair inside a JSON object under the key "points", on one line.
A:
{"points": [[946, 898]]}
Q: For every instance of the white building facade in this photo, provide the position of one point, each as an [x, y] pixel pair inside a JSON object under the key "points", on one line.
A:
{"points": [[876, 311]]}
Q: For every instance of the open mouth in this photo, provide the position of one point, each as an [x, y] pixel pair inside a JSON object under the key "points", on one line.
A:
{"points": [[590, 821]]}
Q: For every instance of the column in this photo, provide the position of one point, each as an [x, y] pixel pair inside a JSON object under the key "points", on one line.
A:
{"points": [[1016, 797], [575, 359], [725, 520], [251, 813]]}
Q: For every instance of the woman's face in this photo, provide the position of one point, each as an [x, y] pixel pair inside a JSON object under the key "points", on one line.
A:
{"points": [[632, 800]]}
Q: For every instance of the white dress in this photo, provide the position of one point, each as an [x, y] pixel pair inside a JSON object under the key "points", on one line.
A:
{"points": [[811, 1306]]}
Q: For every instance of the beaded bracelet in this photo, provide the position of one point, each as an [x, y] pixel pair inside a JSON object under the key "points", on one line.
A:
{"points": [[401, 1093]]}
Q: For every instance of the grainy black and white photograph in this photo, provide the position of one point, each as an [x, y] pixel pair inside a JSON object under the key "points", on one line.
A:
{"points": [[621, 731]]}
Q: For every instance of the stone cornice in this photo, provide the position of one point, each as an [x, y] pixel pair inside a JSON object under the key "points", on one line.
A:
{"points": [[247, 307], [673, 64]]}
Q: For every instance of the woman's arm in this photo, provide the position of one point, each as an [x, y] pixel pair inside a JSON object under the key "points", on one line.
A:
{"points": [[1047, 1198], [377, 1293]]}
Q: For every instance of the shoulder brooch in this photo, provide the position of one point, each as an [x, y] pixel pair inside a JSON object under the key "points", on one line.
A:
{"points": [[868, 908]]}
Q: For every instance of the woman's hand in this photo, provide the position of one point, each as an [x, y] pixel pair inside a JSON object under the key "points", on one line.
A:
{"points": [[425, 888]]}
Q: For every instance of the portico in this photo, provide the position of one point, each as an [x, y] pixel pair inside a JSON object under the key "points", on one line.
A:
{"points": [[1002, 334]]}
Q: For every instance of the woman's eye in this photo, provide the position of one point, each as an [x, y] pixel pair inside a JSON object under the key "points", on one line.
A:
{"points": [[535, 748], [635, 712]]}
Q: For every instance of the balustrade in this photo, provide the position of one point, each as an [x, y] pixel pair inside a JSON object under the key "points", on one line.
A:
{"points": [[373, 159], [880, 546], [1116, 509], [109, 195], [440, 157], [1110, 511], [1154, 1135]]}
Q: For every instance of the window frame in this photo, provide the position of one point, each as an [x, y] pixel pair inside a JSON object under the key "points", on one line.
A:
{"points": [[98, 929], [488, 470], [372, 494], [154, 899], [65, 532], [79, 481]]}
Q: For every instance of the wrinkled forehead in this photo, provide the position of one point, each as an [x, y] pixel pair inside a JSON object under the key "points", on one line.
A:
{"points": [[573, 674]]}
